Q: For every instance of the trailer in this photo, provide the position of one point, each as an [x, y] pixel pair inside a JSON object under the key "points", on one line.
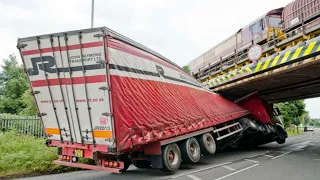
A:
{"points": [[105, 97]]}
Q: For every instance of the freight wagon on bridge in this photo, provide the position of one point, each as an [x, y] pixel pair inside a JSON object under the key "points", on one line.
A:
{"points": [[277, 30], [106, 97]]}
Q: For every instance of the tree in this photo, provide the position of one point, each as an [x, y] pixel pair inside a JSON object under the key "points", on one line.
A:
{"points": [[292, 112], [306, 118], [315, 122], [13, 83], [15, 96], [27, 100], [186, 69]]}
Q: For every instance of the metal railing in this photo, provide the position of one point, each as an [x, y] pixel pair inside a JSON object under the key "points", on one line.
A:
{"points": [[25, 125]]}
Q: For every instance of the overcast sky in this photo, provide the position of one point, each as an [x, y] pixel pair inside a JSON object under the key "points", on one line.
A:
{"points": [[179, 29]]}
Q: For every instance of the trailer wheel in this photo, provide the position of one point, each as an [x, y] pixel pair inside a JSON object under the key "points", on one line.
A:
{"points": [[281, 140], [141, 163], [207, 144], [265, 129], [171, 158], [190, 150], [282, 135], [249, 125]]}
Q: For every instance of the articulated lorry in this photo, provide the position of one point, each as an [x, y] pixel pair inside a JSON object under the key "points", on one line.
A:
{"points": [[105, 97]]}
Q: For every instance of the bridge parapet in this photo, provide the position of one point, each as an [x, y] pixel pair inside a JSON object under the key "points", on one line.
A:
{"points": [[291, 57]]}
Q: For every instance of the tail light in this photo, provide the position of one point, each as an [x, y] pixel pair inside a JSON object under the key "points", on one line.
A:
{"points": [[106, 163], [115, 164], [110, 163]]}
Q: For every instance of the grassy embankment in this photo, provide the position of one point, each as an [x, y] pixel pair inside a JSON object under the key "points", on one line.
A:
{"points": [[26, 155], [294, 132]]}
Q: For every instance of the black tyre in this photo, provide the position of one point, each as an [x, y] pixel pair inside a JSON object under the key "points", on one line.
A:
{"points": [[207, 144], [190, 150], [249, 125], [171, 158], [265, 129], [141, 163], [281, 140], [282, 134]]}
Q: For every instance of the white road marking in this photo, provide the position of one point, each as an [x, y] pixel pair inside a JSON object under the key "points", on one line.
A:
{"points": [[258, 155], [280, 151], [281, 155], [236, 172], [193, 177], [299, 146], [199, 170], [229, 168], [266, 155], [250, 160]]}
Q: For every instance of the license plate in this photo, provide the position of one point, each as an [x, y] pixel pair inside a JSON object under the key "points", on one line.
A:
{"points": [[78, 152]]}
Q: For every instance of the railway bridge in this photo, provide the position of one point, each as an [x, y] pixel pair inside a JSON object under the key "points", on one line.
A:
{"points": [[291, 74], [276, 57]]}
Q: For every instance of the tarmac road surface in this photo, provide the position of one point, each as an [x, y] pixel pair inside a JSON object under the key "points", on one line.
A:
{"points": [[298, 158]]}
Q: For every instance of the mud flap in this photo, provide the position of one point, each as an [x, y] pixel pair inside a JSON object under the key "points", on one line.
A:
{"points": [[156, 161]]}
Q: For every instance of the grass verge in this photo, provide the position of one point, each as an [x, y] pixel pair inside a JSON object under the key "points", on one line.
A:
{"points": [[294, 132], [27, 155]]}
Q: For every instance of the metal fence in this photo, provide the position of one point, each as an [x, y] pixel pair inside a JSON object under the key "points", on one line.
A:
{"points": [[26, 125]]}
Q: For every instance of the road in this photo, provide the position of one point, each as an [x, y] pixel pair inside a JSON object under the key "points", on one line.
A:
{"points": [[298, 158]]}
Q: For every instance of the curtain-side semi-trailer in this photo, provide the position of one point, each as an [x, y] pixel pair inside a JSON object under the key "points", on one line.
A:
{"points": [[105, 97]]}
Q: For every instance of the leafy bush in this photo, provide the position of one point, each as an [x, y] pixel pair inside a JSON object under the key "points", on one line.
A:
{"points": [[24, 155]]}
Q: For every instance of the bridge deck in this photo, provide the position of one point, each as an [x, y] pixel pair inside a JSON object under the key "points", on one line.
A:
{"points": [[291, 74], [298, 82]]}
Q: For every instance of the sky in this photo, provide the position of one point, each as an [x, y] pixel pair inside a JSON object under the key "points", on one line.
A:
{"points": [[180, 30]]}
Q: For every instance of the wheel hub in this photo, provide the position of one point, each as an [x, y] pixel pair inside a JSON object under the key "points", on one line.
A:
{"points": [[171, 156]]}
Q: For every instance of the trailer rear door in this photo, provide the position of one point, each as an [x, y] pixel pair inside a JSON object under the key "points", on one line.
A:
{"points": [[69, 80]]}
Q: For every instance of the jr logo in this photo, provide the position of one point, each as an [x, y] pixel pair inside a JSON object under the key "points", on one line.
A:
{"points": [[160, 70], [48, 65]]}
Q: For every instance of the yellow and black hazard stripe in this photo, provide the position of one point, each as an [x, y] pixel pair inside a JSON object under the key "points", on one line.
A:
{"points": [[308, 49]]}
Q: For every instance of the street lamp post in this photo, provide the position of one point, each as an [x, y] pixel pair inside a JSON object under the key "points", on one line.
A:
{"points": [[92, 13]]}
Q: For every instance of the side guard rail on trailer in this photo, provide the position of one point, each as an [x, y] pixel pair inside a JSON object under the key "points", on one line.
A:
{"points": [[232, 129], [87, 166], [179, 138]]}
